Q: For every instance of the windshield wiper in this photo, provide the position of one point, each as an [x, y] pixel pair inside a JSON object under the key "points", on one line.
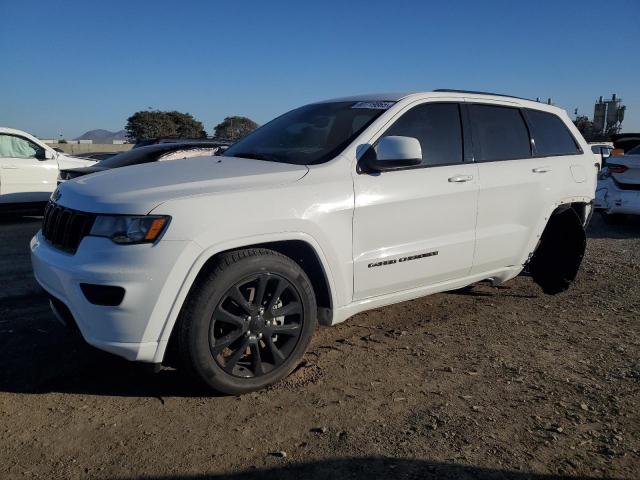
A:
{"points": [[256, 156]]}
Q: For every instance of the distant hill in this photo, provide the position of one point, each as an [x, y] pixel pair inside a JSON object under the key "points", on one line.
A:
{"points": [[103, 136]]}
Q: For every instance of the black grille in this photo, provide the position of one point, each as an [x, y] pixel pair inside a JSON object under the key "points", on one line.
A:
{"points": [[65, 228]]}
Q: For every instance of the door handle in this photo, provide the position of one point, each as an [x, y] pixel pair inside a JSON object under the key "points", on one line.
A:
{"points": [[460, 178], [9, 167], [541, 170]]}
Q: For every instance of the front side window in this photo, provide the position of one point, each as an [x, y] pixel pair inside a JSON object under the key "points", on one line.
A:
{"points": [[551, 135], [437, 127], [499, 133], [309, 135], [18, 147]]}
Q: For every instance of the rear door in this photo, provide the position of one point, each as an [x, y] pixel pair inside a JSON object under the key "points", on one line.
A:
{"points": [[416, 227], [527, 161], [514, 187], [25, 176]]}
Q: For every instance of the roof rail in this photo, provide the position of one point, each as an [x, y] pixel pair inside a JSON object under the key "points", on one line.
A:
{"points": [[473, 92]]}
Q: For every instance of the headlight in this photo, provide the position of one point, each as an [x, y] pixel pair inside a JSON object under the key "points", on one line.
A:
{"points": [[126, 229]]}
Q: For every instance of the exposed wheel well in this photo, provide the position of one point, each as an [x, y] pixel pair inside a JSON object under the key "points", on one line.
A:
{"points": [[557, 257], [582, 209]]}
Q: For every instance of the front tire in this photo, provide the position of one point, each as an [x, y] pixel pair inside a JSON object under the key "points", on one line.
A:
{"points": [[248, 323]]}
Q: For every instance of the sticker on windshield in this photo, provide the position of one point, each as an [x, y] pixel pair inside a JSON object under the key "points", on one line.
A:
{"points": [[374, 105]]}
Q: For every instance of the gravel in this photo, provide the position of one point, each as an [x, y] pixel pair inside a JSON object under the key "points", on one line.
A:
{"points": [[491, 382]]}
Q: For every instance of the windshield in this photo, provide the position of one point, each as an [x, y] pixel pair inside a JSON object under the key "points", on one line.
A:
{"points": [[309, 135]]}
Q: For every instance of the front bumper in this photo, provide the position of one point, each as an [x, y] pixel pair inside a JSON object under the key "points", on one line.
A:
{"points": [[612, 199], [150, 274]]}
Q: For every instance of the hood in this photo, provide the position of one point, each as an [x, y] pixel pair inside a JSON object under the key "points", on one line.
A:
{"points": [[138, 189], [66, 162]]}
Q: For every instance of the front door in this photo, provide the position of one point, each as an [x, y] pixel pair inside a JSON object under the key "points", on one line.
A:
{"points": [[25, 175], [416, 227]]}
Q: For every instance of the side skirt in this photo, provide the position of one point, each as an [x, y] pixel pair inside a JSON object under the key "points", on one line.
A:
{"points": [[496, 277]]}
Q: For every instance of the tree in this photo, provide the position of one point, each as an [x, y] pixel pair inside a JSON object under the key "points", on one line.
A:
{"points": [[147, 124], [591, 134], [588, 130], [233, 128]]}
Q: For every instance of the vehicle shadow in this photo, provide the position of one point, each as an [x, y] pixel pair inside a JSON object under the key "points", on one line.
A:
{"points": [[499, 290], [375, 468], [40, 356], [627, 228]]}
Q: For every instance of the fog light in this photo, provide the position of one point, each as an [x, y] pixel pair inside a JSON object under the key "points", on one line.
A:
{"points": [[105, 295]]}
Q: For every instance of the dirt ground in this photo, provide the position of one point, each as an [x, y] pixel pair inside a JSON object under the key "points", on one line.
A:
{"points": [[492, 383]]}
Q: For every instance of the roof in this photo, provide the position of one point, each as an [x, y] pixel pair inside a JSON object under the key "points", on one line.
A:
{"points": [[372, 97], [397, 96], [13, 131]]}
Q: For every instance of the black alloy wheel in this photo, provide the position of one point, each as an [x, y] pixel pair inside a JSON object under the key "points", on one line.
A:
{"points": [[256, 325]]}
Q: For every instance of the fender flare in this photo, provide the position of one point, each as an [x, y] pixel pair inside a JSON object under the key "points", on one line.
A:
{"points": [[207, 253]]}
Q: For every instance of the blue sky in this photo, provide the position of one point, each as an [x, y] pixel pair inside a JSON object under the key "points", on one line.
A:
{"points": [[71, 66]]}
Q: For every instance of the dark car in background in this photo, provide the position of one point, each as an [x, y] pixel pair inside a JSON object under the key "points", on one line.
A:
{"points": [[158, 140], [99, 155], [151, 153]]}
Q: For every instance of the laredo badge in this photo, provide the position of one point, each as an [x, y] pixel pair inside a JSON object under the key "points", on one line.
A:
{"points": [[408, 258]]}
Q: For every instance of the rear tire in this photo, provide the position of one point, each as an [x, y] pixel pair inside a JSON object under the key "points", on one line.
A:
{"points": [[248, 323]]}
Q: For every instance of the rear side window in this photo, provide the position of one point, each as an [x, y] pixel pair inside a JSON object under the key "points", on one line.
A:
{"points": [[499, 133], [550, 134], [438, 129]]}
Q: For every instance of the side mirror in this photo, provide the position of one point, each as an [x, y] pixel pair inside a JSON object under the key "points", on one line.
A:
{"points": [[47, 155], [392, 153]]}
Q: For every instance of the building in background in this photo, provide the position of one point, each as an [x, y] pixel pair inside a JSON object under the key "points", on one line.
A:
{"points": [[608, 115]]}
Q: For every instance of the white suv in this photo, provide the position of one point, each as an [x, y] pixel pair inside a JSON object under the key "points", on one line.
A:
{"points": [[330, 209], [29, 171]]}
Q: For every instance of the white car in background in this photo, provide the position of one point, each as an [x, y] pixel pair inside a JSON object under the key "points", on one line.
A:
{"points": [[602, 151], [29, 171], [618, 192]]}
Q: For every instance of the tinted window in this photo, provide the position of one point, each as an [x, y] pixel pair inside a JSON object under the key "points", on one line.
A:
{"points": [[550, 134], [437, 128], [499, 133]]}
